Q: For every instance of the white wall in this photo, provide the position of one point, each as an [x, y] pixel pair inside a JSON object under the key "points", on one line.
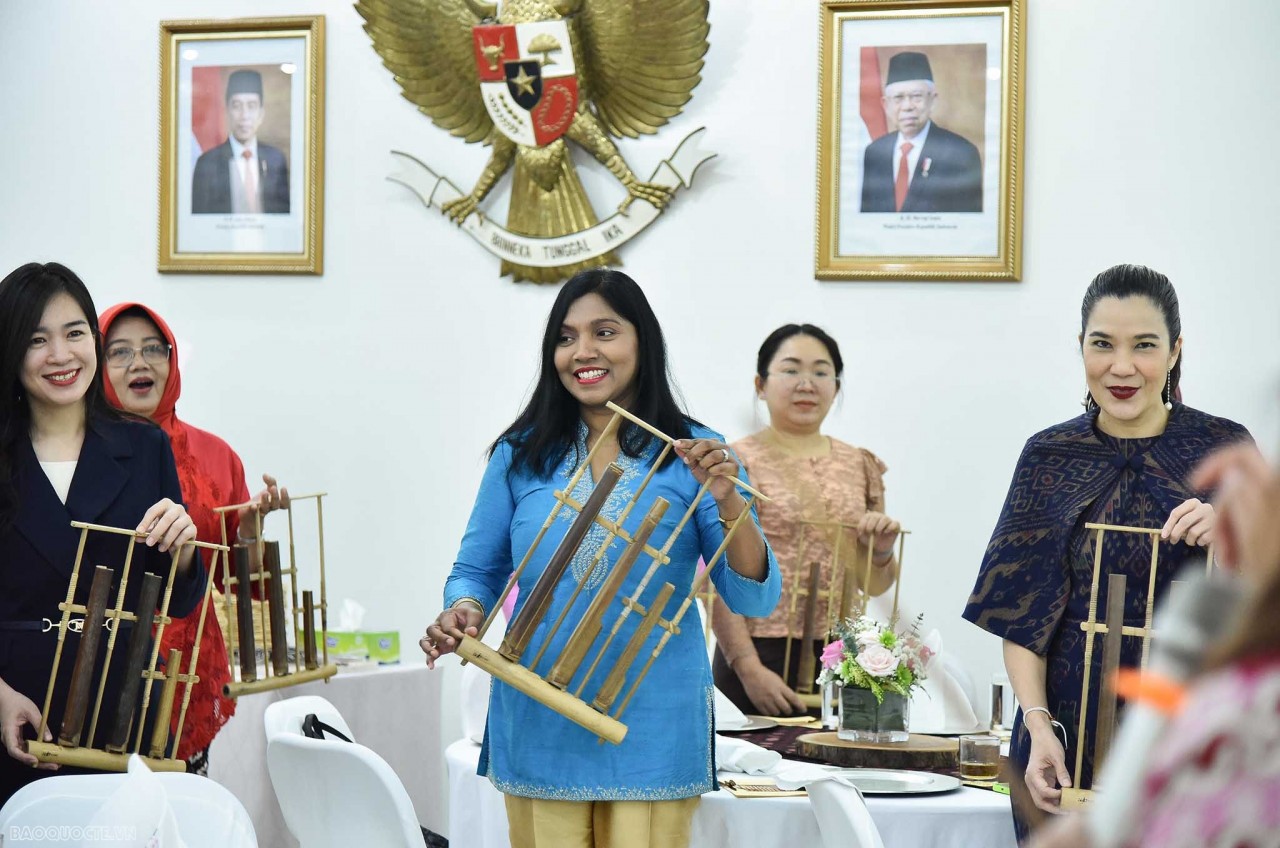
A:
{"points": [[384, 380]]}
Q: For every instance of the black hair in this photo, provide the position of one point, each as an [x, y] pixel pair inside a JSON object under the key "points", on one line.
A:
{"points": [[24, 295], [774, 340], [547, 428], [1137, 281]]}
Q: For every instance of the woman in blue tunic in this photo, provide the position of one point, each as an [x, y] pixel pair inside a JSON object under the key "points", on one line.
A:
{"points": [[563, 789], [1125, 461]]}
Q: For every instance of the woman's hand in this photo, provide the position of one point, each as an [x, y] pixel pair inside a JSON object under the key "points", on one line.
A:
{"points": [[878, 528], [167, 525], [1191, 521], [16, 712], [444, 634], [710, 459], [766, 688], [270, 499], [1047, 771]]}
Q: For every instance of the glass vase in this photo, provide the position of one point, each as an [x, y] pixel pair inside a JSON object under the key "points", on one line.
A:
{"points": [[863, 719]]}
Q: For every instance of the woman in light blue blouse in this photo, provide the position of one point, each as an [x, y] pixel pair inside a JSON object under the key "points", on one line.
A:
{"points": [[603, 343]]}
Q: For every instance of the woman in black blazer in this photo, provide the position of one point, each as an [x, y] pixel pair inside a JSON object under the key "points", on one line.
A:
{"points": [[66, 456]]}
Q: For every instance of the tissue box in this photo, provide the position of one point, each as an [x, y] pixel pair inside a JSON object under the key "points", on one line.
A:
{"points": [[382, 646], [348, 644]]}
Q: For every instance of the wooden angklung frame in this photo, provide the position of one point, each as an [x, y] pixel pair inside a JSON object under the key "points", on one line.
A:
{"points": [[1113, 630], [592, 634], [310, 660], [844, 594], [126, 727]]}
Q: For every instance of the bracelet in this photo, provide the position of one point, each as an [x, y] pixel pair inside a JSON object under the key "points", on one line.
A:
{"points": [[251, 541], [727, 522], [1054, 724], [469, 600]]}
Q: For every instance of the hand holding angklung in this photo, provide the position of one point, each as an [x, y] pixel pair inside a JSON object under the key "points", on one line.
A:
{"points": [[1191, 521], [710, 459], [16, 712], [880, 527], [166, 525], [444, 634]]}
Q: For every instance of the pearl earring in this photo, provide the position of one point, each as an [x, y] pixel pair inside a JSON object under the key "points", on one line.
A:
{"points": [[1168, 390]]}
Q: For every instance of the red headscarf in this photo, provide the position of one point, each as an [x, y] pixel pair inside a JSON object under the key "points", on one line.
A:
{"points": [[211, 475]]}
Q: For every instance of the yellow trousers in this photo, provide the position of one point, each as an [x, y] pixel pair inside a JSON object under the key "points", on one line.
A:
{"points": [[538, 823]]}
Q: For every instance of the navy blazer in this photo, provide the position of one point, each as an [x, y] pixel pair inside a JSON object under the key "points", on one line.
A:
{"points": [[211, 183], [953, 182], [125, 467]]}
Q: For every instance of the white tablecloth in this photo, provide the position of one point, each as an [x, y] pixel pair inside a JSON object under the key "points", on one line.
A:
{"points": [[394, 709], [965, 818]]}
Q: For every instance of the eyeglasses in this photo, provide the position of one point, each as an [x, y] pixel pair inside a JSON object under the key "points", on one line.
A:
{"points": [[794, 377], [915, 98], [121, 356]]}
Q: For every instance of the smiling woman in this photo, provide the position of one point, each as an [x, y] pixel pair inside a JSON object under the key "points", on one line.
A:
{"points": [[66, 456], [1126, 461]]}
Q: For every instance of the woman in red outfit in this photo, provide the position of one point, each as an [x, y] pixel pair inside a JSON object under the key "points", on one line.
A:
{"points": [[142, 377]]}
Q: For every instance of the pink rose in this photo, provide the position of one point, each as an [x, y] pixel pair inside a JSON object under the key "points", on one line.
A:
{"points": [[878, 661], [833, 654]]}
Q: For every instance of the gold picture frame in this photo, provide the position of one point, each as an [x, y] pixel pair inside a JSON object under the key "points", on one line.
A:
{"points": [[263, 213], [953, 210]]}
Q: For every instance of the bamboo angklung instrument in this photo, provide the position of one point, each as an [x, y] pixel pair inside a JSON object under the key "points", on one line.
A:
{"points": [[160, 731], [1077, 796], [586, 635], [76, 747], [278, 623], [279, 626], [86, 659]]}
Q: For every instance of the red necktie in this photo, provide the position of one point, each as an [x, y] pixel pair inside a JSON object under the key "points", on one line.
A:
{"points": [[903, 182], [251, 183]]}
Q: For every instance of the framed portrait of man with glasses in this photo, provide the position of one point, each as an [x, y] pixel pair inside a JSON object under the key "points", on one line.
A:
{"points": [[919, 140]]}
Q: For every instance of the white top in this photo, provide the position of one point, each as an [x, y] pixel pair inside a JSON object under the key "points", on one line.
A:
{"points": [[60, 474]]}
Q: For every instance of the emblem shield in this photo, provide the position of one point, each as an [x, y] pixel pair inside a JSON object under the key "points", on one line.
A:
{"points": [[528, 79]]}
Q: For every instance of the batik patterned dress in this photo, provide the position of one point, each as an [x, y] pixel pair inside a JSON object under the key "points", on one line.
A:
{"points": [[1037, 575]]}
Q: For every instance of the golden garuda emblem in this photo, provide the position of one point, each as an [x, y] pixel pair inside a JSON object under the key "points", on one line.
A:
{"points": [[530, 78]]}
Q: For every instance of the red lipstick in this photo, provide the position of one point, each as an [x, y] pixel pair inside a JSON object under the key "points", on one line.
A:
{"points": [[1122, 392]]}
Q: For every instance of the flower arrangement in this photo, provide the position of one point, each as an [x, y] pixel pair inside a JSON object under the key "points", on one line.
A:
{"points": [[872, 655]]}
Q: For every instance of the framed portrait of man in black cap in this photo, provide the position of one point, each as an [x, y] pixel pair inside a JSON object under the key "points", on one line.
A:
{"points": [[920, 128], [241, 148]]}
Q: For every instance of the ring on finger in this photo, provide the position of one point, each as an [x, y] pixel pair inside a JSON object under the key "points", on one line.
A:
{"points": [[725, 451]]}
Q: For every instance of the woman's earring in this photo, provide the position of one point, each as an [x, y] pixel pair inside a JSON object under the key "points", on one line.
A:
{"points": [[1168, 389]]}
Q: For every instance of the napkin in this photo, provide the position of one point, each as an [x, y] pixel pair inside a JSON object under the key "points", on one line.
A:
{"points": [[728, 716], [843, 818], [742, 756]]}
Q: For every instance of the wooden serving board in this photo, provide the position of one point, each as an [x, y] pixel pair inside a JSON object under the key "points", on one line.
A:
{"points": [[919, 752]]}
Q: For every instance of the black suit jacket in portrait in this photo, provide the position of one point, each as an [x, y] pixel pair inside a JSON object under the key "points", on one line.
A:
{"points": [[952, 183], [211, 184]]}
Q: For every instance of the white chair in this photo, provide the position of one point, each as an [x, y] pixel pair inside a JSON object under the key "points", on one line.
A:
{"points": [[286, 716], [207, 814], [334, 793]]}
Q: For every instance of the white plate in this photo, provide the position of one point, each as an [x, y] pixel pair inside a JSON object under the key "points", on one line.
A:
{"points": [[754, 722], [898, 781]]}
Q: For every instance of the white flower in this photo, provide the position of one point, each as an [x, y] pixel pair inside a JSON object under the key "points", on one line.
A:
{"points": [[867, 638], [877, 661]]}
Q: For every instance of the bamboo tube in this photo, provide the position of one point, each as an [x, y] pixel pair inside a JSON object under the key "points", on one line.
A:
{"points": [[324, 596], [309, 630], [244, 613], [135, 659], [523, 680], [236, 689], [575, 650], [1088, 657], [90, 758], [62, 631], [279, 656], [117, 615], [837, 605], [618, 674], [1104, 727], [791, 611], [86, 658], [160, 732], [804, 682], [1151, 600], [535, 606], [605, 436], [192, 678]]}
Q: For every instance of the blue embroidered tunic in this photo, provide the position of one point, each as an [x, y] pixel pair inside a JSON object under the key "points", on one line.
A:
{"points": [[668, 752], [1034, 585]]}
